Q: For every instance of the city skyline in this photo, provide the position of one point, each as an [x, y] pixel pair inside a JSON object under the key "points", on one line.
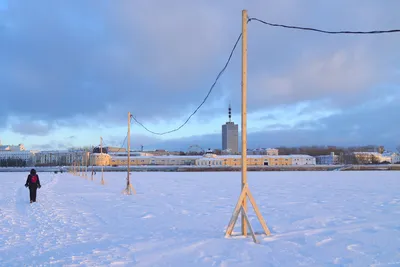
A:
{"points": [[304, 88]]}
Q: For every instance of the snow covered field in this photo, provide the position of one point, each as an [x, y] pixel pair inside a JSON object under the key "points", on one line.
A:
{"points": [[179, 219]]}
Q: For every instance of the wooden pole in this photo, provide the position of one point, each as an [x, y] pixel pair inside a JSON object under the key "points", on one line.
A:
{"points": [[82, 163], [241, 205], [244, 115], [85, 166], [92, 171], [129, 151], [129, 187], [101, 157]]}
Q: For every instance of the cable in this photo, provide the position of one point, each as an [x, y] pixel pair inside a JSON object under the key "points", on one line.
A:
{"points": [[123, 142], [234, 48], [205, 99], [323, 31]]}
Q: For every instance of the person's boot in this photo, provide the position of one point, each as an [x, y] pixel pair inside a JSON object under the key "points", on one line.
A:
{"points": [[31, 201]]}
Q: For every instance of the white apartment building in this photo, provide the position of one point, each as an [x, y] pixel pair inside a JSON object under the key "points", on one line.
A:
{"points": [[395, 158], [302, 160], [330, 159], [61, 158], [390, 157], [26, 156]]}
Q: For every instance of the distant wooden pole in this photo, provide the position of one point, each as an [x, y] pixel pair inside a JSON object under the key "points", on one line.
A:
{"points": [[92, 171], [244, 115], [101, 158], [86, 162], [129, 187], [129, 150], [82, 163]]}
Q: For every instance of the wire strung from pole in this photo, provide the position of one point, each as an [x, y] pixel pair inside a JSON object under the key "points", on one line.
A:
{"points": [[323, 31], [234, 48], [123, 142], [204, 100]]}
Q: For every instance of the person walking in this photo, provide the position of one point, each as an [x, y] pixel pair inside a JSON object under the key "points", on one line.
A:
{"points": [[33, 183]]}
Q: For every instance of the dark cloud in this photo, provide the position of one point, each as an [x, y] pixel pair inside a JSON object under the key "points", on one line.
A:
{"points": [[53, 145], [31, 128], [97, 59]]}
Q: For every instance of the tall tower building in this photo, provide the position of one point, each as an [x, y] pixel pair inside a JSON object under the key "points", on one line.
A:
{"points": [[230, 135]]}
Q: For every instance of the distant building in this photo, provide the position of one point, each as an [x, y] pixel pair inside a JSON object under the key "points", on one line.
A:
{"points": [[99, 159], [132, 154], [371, 157], [111, 149], [302, 160], [390, 157], [25, 156], [99, 149], [230, 135], [61, 158], [330, 159], [209, 159], [19, 147], [11, 155], [263, 151]]}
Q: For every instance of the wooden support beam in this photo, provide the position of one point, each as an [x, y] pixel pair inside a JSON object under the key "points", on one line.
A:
{"points": [[239, 208]]}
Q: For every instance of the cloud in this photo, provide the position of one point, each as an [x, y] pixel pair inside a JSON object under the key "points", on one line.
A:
{"points": [[102, 57], [99, 58], [43, 146], [268, 117], [75, 64], [53, 145], [360, 125], [31, 128]]}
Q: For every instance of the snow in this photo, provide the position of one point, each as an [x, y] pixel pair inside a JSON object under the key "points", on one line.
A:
{"points": [[179, 219]]}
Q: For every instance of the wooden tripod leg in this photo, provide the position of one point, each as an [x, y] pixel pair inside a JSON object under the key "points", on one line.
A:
{"points": [[129, 189], [249, 225], [132, 189], [236, 212], [258, 213]]}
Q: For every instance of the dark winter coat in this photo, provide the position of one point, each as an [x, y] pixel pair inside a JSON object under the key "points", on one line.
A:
{"points": [[29, 180]]}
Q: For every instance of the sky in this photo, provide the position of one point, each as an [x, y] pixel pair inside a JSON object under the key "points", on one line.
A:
{"points": [[71, 71]]}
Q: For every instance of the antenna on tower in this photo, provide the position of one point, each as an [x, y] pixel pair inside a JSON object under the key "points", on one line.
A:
{"points": [[229, 112]]}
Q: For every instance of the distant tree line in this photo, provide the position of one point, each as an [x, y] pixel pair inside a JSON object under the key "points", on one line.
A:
{"points": [[326, 150]]}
